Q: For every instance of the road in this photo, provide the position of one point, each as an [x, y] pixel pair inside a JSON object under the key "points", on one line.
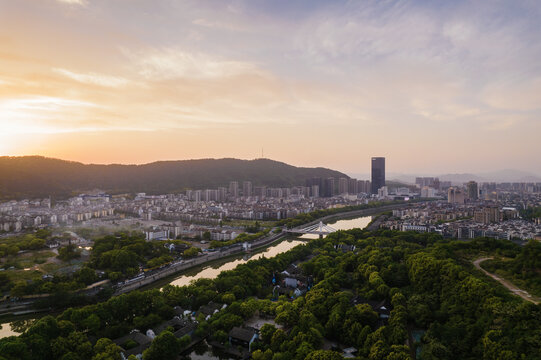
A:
{"points": [[200, 260], [515, 290]]}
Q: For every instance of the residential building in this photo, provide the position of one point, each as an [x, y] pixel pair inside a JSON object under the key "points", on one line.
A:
{"points": [[247, 189], [455, 196], [473, 190], [342, 186]]}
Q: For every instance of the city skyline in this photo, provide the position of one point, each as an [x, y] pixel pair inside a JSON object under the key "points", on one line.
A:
{"points": [[433, 87]]}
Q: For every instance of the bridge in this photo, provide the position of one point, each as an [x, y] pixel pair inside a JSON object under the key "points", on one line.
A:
{"points": [[317, 229]]}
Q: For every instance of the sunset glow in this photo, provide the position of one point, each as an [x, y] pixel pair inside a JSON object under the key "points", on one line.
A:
{"points": [[453, 85]]}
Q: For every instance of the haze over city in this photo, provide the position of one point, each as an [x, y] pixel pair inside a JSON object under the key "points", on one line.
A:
{"points": [[435, 87]]}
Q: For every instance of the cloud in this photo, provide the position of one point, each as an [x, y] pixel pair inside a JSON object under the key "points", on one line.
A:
{"points": [[93, 78], [73, 2], [521, 96], [38, 111], [170, 63], [218, 25], [54, 115]]}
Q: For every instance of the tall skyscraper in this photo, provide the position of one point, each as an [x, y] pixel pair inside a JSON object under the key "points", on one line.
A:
{"points": [[378, 174]]}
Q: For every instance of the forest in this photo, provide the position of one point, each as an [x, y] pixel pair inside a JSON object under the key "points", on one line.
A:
{"points": [[428, 284]]}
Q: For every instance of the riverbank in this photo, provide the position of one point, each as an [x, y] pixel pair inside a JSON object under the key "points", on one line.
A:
{"points": [[356, 213], [201, 260], [222, 256], [212, 268]]}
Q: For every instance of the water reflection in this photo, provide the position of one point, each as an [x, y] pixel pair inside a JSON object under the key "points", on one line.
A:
{"points": [[203, 351], [211, 273], [346, 224]]}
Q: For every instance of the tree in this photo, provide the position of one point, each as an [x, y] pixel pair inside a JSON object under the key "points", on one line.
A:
{"points": [[164, 346], [324, 355], [19, 289], [191, 252], [92, 323], [87, 275], [13, 348], [399, 352], [185, 341], [260, 355], [267, 331], [378, 351], [105, 349], [5, 282], [68, 253]]}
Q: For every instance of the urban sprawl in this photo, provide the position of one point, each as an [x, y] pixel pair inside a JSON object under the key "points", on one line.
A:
{"points": [[462, 211]]}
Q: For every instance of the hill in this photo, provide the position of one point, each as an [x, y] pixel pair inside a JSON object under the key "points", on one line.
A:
{"points": [[36, 176]]}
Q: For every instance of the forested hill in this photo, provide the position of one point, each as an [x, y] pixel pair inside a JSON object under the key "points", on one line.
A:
{"points": [[35, 176]]}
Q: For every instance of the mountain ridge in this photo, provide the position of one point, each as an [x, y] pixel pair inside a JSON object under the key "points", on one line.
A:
{"points": [[38, 176]]}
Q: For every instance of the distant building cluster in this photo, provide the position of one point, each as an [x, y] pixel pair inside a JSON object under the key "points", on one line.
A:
{"points": [[27, 214], [471, 211], [466, 210]]}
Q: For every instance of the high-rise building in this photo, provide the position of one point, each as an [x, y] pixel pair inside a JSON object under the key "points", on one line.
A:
{"points": [[342, 186], [428, 192], [319, 182], [378, 174], [222, 192], [329, 187], [234, 188], [487, 215], [363, 186], [260, 191], [352, 186], [444, 185], [197, 195], [473, 191], [455, 196], [247, 188], [427, 181]]}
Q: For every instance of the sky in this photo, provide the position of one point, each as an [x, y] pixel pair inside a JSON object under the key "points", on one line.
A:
{"points": [[434, 86]]}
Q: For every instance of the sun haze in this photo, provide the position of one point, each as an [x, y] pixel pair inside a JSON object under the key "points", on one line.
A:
{"points": [[435, 86]]}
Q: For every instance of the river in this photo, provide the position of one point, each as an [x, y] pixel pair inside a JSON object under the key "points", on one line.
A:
{"points": [[210, 272], [206, 352], [345, 224]]}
